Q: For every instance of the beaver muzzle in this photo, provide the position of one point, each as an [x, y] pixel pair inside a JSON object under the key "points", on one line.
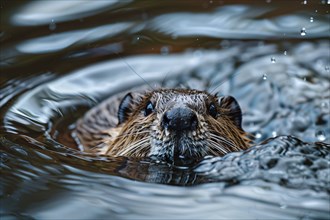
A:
{"points": [[179, 122]]}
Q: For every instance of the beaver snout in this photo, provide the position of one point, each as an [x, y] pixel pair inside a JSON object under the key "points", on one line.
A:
{"points": [[180, 119]]}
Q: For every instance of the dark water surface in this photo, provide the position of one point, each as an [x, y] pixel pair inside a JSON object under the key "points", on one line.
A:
{"points": [[60, 58]]}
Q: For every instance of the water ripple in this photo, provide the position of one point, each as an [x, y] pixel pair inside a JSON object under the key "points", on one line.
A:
{"points": [[233, 22], [43, 12]]}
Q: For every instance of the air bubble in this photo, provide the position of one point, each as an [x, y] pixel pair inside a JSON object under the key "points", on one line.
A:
{"points": [[311, 19], [274, 133], [273, 60], [320, 136], [305, 2], [303, 31], [285, 53], [52, 25]]}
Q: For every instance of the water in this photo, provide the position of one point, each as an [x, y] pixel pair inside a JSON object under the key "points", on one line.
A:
{"points": [[60, 58]]}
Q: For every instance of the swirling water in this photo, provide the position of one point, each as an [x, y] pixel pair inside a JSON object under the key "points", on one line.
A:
{"points": [[60, 58]]}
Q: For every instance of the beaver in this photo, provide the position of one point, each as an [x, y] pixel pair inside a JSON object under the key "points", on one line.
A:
{"points": [[166, 124]]}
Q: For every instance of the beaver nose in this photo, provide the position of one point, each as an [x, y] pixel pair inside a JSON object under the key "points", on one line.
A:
{"points": [[180, 119]]}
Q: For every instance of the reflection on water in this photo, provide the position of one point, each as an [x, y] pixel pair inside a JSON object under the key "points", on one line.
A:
{"points": [[41, 12], [60, 58], [64, 40]]}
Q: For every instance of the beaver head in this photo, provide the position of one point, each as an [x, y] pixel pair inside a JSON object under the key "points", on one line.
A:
{"points": [[178, 124]]}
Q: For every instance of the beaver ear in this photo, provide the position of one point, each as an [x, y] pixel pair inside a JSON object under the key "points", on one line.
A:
{"points": [[234, 110], [125, 108]]}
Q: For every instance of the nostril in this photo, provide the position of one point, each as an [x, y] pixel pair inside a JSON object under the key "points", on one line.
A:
{"points": [[194, 122], [165, 120]]}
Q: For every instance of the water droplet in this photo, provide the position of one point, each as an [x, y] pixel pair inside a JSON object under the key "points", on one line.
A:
{"points": [[305, 2], [138, 38], [304, 79], [328, 2], [274, 133], [268, 1], [320, 136], [327, 68], [283, 206], [325, 106], [164, 50], [264, 77], [285, 53], [311, 19], [211, 2], [303, 31], [258, 135], [52, 25], [316, 10], [273, 60]]}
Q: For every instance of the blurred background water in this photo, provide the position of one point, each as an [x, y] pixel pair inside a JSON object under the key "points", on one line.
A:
{"points": [[60, 58]]}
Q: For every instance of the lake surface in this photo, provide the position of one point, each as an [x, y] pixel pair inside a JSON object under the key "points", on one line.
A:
{"points": [[61, 58]]}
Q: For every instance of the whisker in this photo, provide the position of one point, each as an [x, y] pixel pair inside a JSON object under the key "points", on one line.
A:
{"points": [[134, 71], [225, 80], [119, 136], [163, 81], [190, 152], [218, 147], [142, 147], [203, 151], [96, 146], [132, 147], [132, 134], [212, 151], [221, 139]]}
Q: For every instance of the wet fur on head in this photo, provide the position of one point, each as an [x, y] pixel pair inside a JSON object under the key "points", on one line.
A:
{"points": [[139, 135]]}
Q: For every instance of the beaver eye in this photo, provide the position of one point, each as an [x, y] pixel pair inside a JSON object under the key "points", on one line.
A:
{"points": [[213, 110], [148, 109]]}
